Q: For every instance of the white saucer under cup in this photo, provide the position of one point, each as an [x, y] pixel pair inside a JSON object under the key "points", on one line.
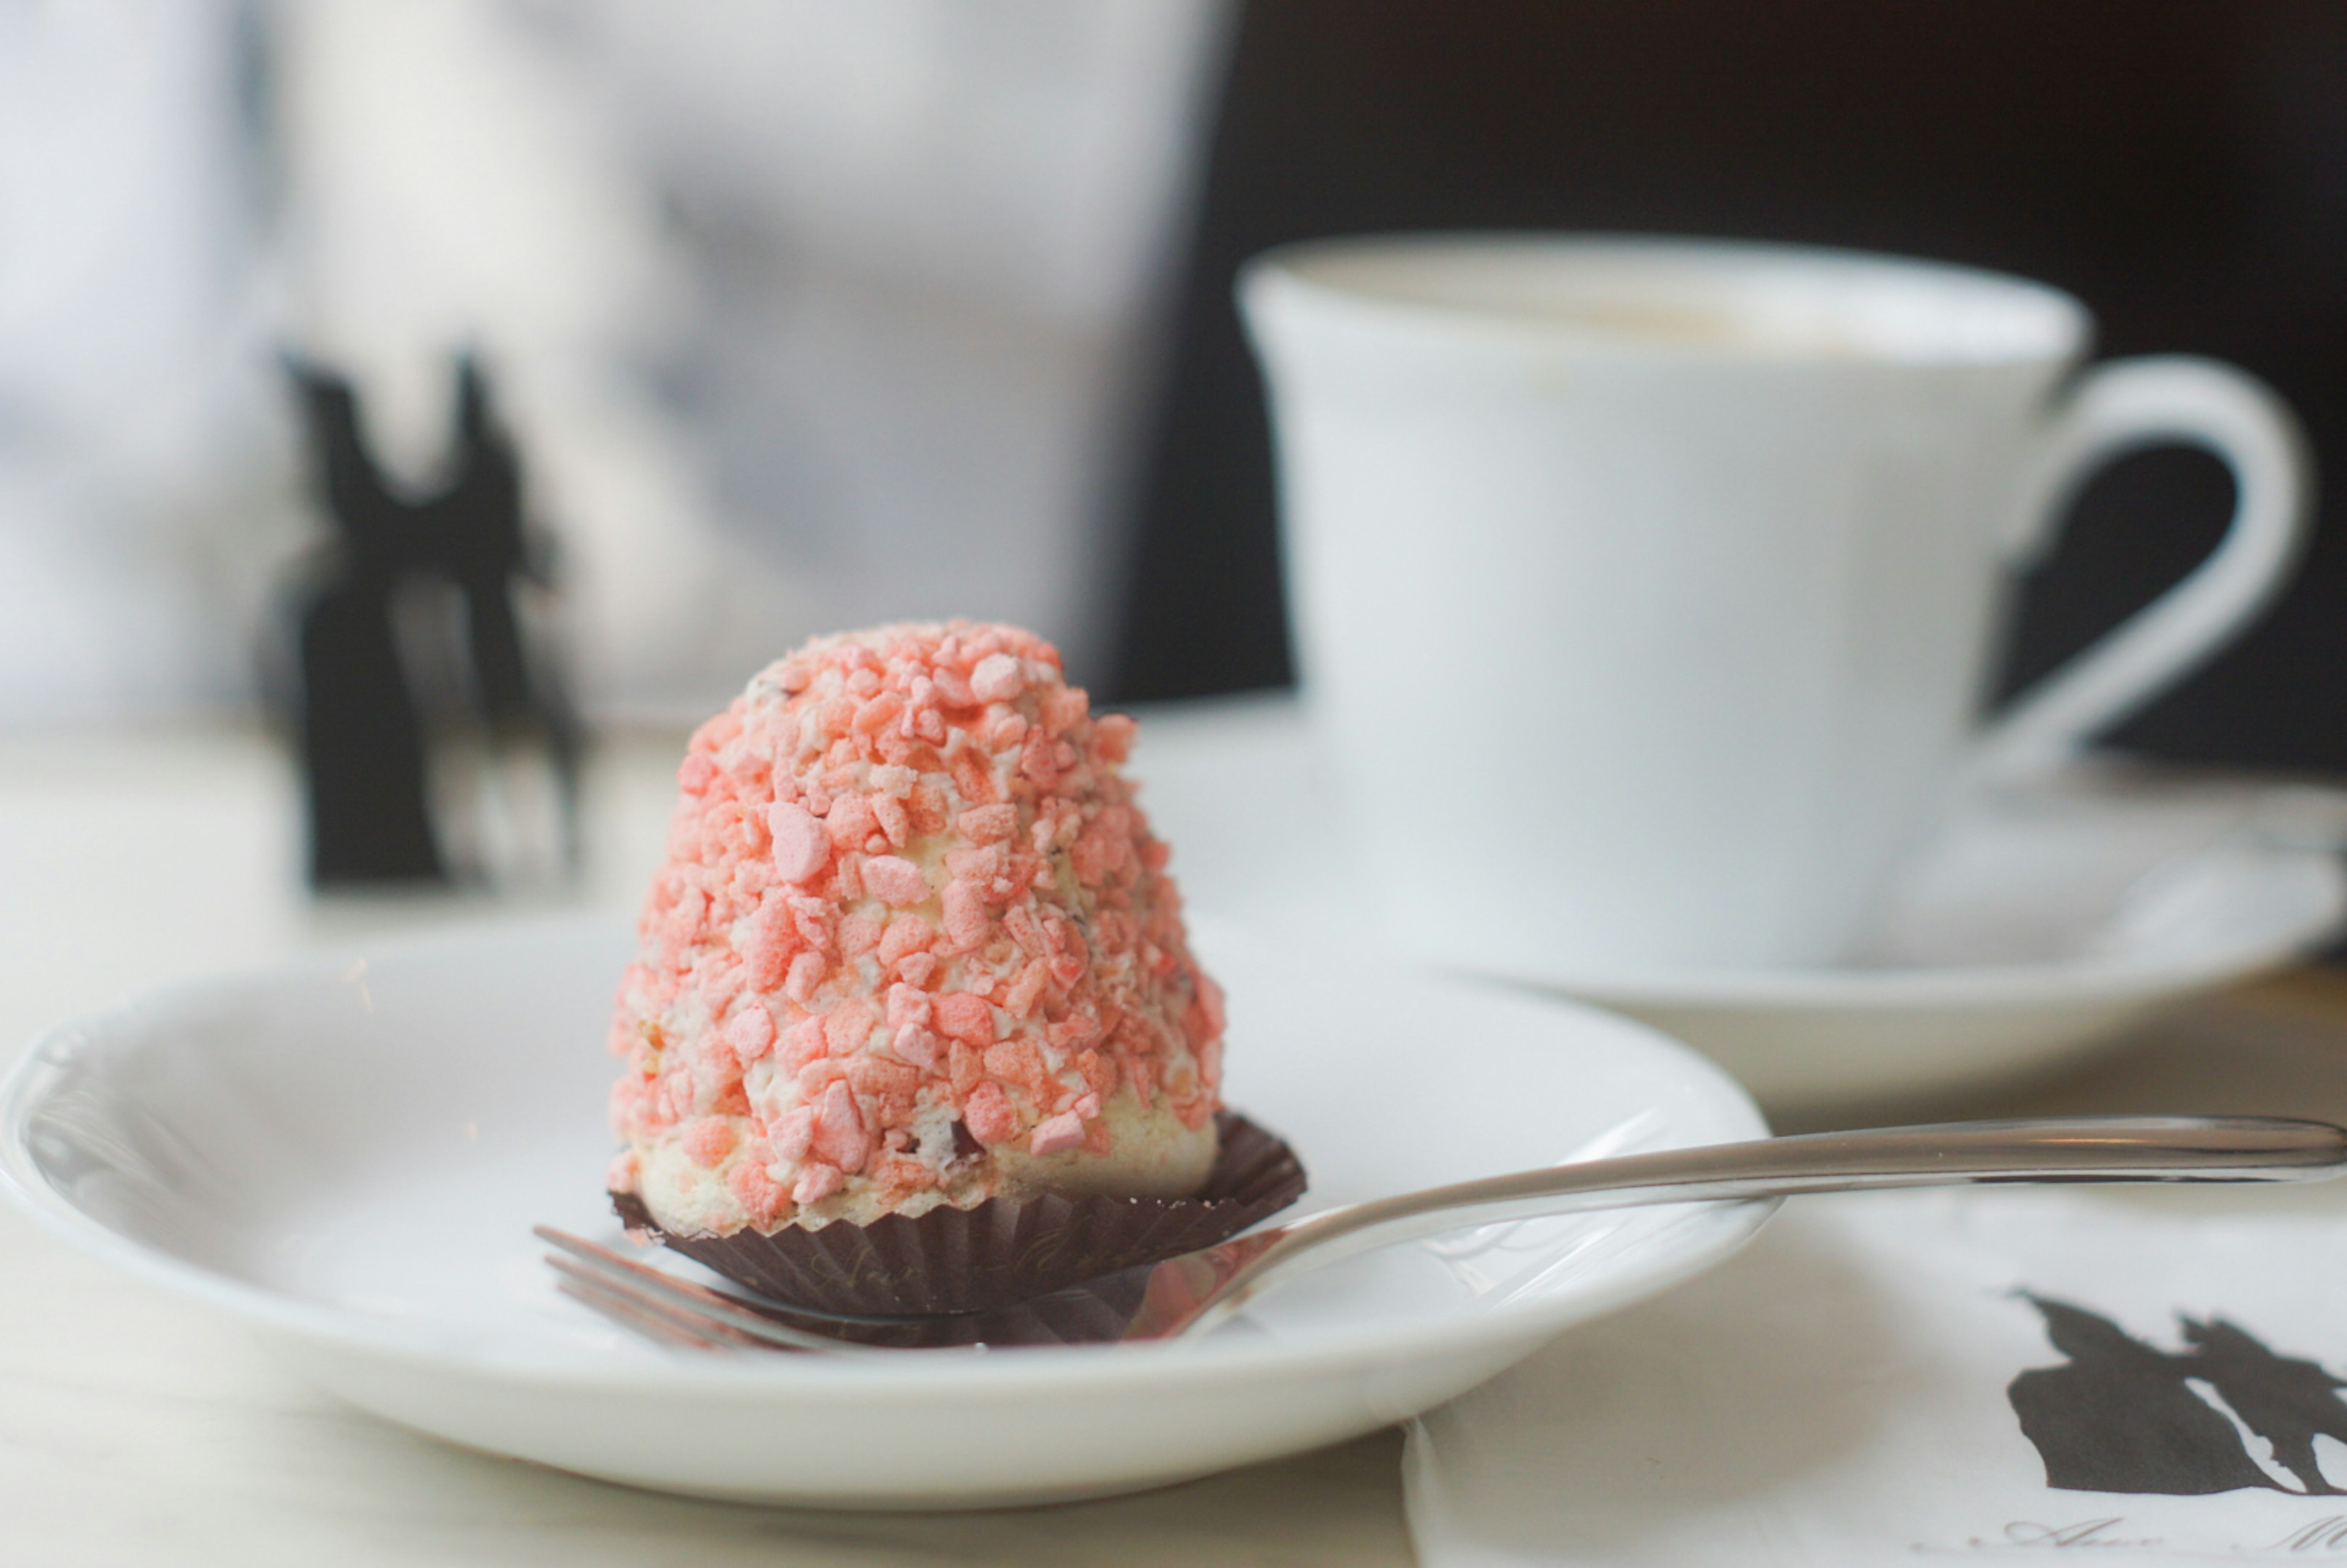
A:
{"points": [[1644, 588], [2034, 927]]}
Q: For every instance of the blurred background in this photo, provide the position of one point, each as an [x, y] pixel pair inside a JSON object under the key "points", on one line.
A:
{"points": [[805, 315]]}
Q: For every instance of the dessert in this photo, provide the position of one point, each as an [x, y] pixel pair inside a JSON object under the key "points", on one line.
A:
{"points": [[913, 950]]}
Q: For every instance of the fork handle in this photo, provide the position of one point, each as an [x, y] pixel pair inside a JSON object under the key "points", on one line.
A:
{"points": [[1963, 1153]]}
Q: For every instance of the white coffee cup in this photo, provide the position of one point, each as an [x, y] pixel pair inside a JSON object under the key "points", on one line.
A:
{"points": [[1645, 589]]}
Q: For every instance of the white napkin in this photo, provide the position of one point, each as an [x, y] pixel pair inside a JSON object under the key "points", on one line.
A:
{"points": [[1844, 1391]]}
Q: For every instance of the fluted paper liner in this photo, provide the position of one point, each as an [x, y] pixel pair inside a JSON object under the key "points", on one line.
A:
{"points": [[1002, 1251]]}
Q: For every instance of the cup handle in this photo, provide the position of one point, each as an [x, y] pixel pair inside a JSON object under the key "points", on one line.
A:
{"points": [[2119, 407]]}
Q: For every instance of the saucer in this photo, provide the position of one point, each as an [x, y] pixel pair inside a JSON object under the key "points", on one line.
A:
{"points": [[349, 1156], [2039, 924]]}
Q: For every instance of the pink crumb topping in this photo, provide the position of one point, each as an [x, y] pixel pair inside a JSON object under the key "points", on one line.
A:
{"points": [[800, 846], [906, 877], [708, 1141], [894, 880], [816, 1182], [1065, 1131]]}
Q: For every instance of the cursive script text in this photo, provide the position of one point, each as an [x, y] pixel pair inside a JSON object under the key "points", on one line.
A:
{"points": [[2028, 1533]]}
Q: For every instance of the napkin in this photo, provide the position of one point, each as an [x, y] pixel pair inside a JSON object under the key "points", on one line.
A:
{"points": [[2123, 1374]]}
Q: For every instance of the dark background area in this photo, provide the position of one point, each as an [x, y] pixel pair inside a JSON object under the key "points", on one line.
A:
{"points": [[2181, 165]]}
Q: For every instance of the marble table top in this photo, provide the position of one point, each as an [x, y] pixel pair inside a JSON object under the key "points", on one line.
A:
{"points": [[137, 1430]]}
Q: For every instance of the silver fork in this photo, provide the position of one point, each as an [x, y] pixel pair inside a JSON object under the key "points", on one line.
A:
{"points": [[1190, 1293]]}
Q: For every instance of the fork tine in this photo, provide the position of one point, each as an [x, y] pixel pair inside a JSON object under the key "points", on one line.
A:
{"points": [[705, 1310], [616, 1263], [622, 1310], [692, 1317], [679, 1316]]}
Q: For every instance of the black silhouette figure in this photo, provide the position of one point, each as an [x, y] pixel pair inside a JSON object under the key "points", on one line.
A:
{"points": [[2120, 1416], [363, 741], [2287, 1403]]}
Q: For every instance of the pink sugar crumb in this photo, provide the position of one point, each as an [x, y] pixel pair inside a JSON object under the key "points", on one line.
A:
{"points": [[851, 821], [708, 1140], [816, 1182], [806, 973], [810, 920], [908, 1005], [967, 922], [793, 1134], [801, 846], [1016, 1061], [977, 862], [967, 1018], [751, 1032], [840, 1137], [988, 823], [1037, 765], [895, 881], [847, 878], [1027, 990], [846, 1027], [1062, 1132], [889, 1083], [997, 679], [877, 714], [916, 1046], [1064, 708], [1073, 1032], [906, 934], [858, 935], [989, 1116], [760, 1196], [801, 1043], [773, 940], [624, 1173]]}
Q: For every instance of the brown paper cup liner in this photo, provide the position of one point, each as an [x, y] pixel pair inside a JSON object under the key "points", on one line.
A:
{"points": [[1002, 1251]]}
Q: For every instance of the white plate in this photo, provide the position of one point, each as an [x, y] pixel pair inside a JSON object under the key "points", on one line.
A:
{"points": [[2038, 926], [350, 1157]]}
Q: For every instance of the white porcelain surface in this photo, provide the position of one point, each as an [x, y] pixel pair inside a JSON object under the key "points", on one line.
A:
{"points": [[349, 1155], [1644, 588], [2036, 927]]}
